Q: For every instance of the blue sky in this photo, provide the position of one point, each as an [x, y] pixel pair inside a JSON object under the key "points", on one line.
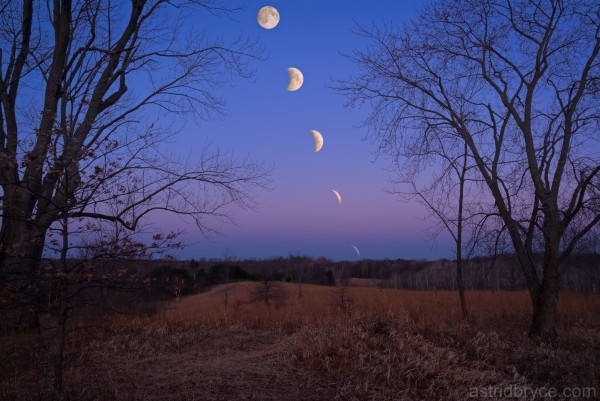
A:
{"points": [[267, 123]]}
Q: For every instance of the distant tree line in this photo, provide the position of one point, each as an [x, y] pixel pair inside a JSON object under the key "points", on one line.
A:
{"points": [[581, 273], [135, 286]]}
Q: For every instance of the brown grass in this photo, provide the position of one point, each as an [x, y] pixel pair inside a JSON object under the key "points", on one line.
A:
{"points": [[380, 344]]}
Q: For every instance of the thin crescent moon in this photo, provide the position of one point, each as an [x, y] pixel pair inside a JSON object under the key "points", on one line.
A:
{"points": [[337, 196], [318, 139], [296, 79], [356, 250]]}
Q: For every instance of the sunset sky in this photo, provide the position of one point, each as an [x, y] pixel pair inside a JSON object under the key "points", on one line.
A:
{"points": [[267, 123]]}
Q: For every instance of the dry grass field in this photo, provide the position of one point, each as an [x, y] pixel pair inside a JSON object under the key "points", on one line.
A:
{"points": [[330, 344]]}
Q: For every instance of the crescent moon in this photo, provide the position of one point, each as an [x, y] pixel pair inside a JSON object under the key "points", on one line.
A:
{"points": [[356, 250], [296, 79], [337, 196], [268, 17], [318, 139]]}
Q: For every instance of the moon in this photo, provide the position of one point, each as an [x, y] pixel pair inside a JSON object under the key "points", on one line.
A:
{"points": [[318, 139], [337, 196], [268, 17], [356, 250], [296, 79]]}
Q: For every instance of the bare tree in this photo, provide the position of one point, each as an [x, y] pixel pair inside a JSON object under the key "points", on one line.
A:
{"points": [[101, 253], [299, 267], [340, 273], [228, 260], [268, 290], [514, 80], [92, 253], [85, 90], [444, 196]]}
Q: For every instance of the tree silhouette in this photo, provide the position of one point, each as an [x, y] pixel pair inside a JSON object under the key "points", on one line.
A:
{"points": [[444, 195], [517, 82], [85, 90]]}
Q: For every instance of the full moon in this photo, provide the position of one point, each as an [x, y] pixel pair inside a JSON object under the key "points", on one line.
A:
{"points": [[268, 17], [296, 79]]}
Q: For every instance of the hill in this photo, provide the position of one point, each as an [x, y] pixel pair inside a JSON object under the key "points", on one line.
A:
{"points": [[332, 343]]}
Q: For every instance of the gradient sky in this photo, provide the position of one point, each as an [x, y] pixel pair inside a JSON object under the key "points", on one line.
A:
{"points": [[268, 123]]}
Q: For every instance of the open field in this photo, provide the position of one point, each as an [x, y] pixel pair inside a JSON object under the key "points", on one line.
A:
{"points": [[330, 344]]}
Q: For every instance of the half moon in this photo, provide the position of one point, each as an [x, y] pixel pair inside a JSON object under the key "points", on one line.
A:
{"points": [[318, 139], [337, 196], [296, 79], [356, 250], [268, 17]]}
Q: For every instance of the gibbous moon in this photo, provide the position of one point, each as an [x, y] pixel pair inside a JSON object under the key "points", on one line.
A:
{"points": [[318, 139], [337, 196], [356, 250], [268, 17], [296, 79]]}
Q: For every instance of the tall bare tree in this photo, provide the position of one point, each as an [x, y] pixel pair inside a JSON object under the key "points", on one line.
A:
{"points": [[515, 80], [444, 193], [99, 264], [81, 82]]}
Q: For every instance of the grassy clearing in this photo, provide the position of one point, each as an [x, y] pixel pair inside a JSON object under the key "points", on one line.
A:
{"points": [[362, 344]]}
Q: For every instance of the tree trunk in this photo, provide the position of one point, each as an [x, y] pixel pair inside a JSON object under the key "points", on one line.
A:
{"points": [[23, 253], [21, 239], [544, 306], [459, 233], [20, 254], [461, 289], [61, 335], [62, 311]]}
